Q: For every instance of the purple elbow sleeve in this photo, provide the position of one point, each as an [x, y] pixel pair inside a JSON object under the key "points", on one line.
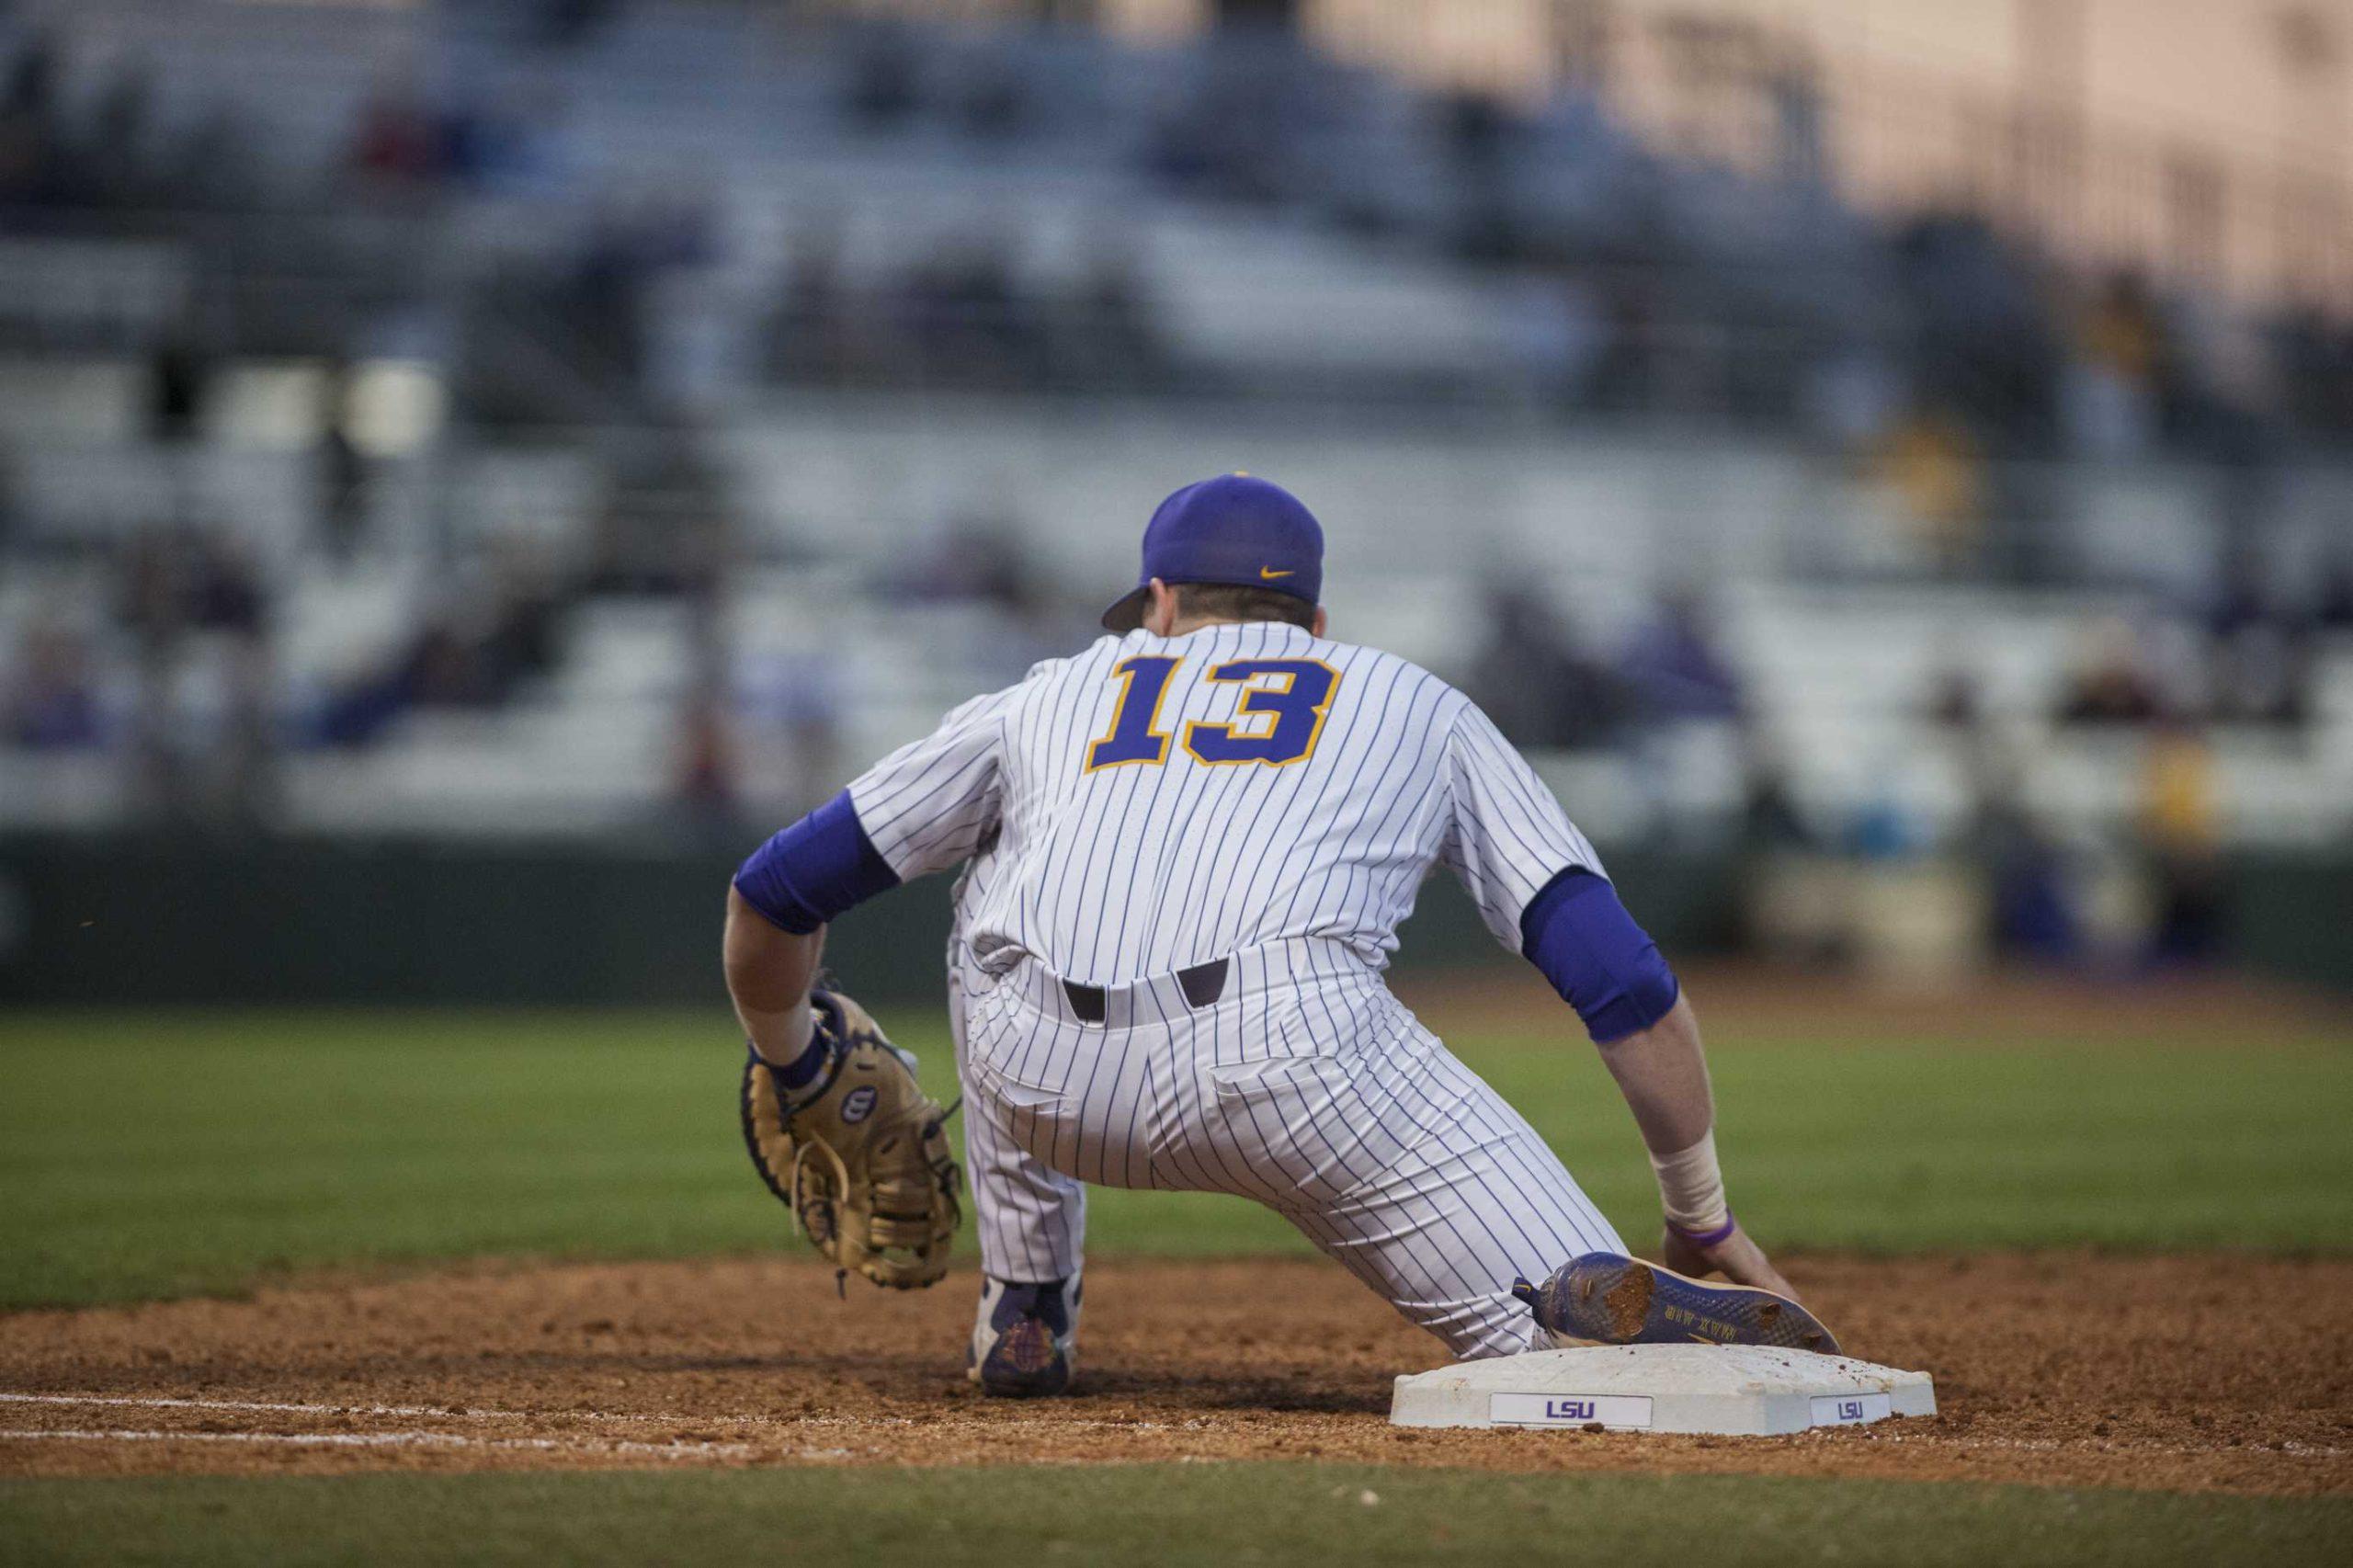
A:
{"points": [[1603, 964], [819, 868]]}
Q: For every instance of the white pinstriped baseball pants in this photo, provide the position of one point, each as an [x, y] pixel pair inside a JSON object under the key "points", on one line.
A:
{"points": [[1306, 1087]]}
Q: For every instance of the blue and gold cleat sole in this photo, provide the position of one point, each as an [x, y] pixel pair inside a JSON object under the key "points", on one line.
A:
{"points": [[1603, 1299], [1024, 1363]]}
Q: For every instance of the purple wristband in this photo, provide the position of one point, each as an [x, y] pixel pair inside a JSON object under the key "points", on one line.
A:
{"points": [[1706, 1238]]}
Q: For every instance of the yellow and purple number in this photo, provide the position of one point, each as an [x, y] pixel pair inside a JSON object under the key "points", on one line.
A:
{"points": [[1135, 734], [1277, 721], [1284, 702]]}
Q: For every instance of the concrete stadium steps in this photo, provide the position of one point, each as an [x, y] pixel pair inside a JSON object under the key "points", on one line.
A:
{"points": [[1841, 651], [63, 790], [77, 293], [876, 476], [330, 626], [106, 494], [320, 62]]}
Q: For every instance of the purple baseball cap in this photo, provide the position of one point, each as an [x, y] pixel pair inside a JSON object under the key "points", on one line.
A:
{"points": [[1233, 529]]}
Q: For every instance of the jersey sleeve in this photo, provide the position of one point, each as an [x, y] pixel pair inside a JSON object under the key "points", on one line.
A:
{"points": [[929, 804], [1506, 837]]}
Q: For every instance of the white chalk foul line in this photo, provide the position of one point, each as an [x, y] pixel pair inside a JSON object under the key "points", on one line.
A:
{"points": [[282, 1407], [476, 1413], [386, 1441]]}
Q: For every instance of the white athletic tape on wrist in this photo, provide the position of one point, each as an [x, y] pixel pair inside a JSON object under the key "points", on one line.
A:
{"points": [[1691, 1187]]}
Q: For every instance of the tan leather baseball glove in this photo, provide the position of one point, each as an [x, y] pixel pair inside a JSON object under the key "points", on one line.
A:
{"points": [[861, 1158]]}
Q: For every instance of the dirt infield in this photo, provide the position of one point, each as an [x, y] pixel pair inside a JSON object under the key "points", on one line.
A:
{"points": [[2194, 1373]]}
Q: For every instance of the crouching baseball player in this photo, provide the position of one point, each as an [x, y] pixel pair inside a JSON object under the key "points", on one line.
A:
{"points": [[1187, 852]]}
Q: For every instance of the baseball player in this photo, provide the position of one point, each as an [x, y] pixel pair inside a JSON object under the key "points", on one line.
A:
{"points": [[1187, 851]]}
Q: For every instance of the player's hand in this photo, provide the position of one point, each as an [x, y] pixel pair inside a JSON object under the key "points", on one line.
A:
{"points": [[1736, 1258]]}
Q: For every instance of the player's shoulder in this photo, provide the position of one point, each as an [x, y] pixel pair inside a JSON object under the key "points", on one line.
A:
{"points": [[1400, 677]]}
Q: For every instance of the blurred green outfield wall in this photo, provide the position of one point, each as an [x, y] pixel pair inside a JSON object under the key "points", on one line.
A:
{"points": [[139, 920], [129, 920]]}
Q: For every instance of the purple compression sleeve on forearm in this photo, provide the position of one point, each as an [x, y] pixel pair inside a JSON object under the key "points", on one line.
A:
{"points": [[816, 870], [1600, 961]]}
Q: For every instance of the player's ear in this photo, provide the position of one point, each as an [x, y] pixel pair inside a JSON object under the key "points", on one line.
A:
{"points": [[1321, 623], [1160, 610]]}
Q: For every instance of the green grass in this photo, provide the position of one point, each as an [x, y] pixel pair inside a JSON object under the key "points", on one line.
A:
{"points": [[152, 1155], [1165, 1514]]}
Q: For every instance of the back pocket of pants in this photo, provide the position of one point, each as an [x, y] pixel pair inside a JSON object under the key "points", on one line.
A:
{"points": [[1300, 1117]]}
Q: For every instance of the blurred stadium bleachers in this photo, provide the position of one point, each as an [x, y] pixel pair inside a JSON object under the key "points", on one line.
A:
{"points": [[525, 418]]}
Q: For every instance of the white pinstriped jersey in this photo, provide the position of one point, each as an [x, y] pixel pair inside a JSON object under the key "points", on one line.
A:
{"points": [[1153, 802]]}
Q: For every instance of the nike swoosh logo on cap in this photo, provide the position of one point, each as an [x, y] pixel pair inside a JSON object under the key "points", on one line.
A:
{"points": [[1268, 573]]}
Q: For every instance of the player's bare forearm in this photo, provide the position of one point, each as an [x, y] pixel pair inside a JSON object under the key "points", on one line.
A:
{"points": [[770, 971], [1663, 1072]]}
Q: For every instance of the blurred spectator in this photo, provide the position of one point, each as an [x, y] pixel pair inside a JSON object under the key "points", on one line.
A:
{"points": [[397, 144], [705, 763], [2264, 673], [1887, 823], [1675, 667], [465, 657], [162, 788], [215, 165], [607, 295], [2333, 606], [245, 782], [2180, 829], [992, 103], [957, 316], [178, 369], [523, 641], [2110, 683], [11, 514], [2242, 597], [884, 78], [1536, 681], [170, 582], [1108, 336], [966, 320], [1769, 818], [148, 600], [2261, 665], [2031, 904], [1937, 472], [666, 525], [567, 23], [703, 776], [980, 556], [1955, 702], [1986, 345], [1558, 338], [28, 151], [2314, 356], [223, 586], [813, 334], [342, 468], [115, 157], [51, 698], [803, 696], [2111, 403], [440, 666]]}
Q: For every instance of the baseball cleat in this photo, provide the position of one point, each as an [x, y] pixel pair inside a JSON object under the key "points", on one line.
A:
{"points": [[1603, 1299], [1024, 1338]]}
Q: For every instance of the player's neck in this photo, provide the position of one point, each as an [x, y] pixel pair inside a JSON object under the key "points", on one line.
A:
{"points": [[1203, 622]]}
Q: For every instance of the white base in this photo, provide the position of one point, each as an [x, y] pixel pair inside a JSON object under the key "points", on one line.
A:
{"points": [[1736, 1389]]}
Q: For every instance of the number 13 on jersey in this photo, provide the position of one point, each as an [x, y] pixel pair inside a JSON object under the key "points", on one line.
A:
{"points": [[1281, 712]]}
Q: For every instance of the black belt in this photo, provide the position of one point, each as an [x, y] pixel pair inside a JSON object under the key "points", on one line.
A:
{"points": [[1202, 984]]}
